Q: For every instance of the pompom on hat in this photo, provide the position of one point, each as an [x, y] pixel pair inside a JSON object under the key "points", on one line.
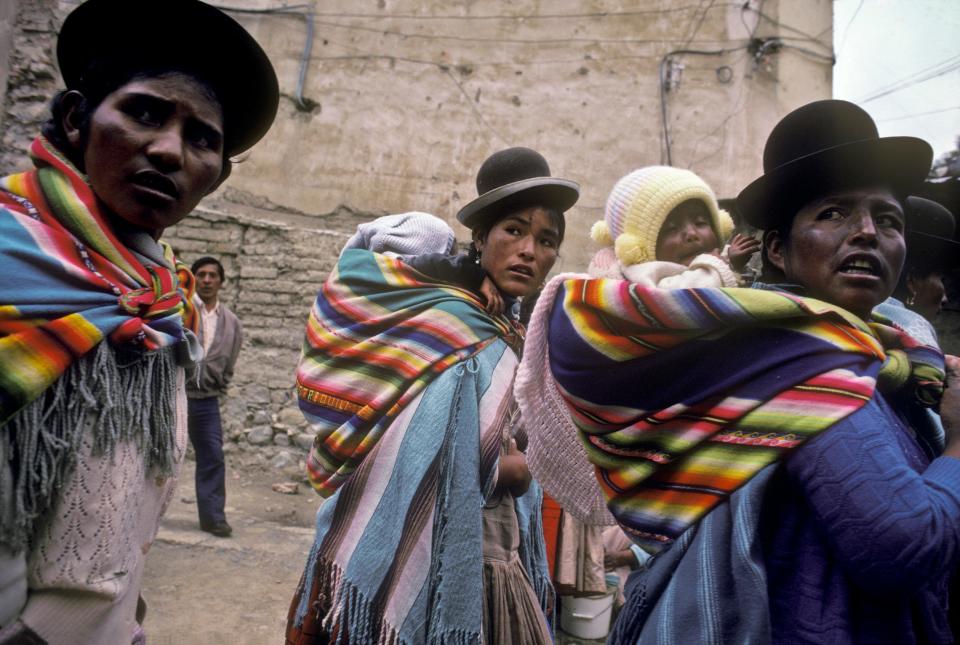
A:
{"points": [[516, 178], [823, 147], [639, 205], [185, 35]]}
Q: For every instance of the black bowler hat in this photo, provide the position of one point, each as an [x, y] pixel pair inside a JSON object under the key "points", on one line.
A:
{"points": [[186, 35], [929, 234], [512, 179], [826, 146]]}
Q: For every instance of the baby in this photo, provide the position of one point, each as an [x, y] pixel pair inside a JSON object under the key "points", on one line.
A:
{"points": [[662, 228], [426, 243]]}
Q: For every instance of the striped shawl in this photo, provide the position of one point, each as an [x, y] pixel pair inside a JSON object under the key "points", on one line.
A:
{"points": [[398, 551], [378, 333], [68, 285], [68, 282], [681, 396]]}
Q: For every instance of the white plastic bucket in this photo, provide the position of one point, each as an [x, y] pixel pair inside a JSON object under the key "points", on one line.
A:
{"points": [[586, 616]]}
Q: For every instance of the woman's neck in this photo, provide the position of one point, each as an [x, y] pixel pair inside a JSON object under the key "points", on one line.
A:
{"points": [[122, 227]]}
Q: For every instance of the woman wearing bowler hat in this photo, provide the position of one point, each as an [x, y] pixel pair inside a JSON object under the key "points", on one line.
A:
{"points": [[97, 323], [931, 252], [796, 494], [431, 533], [868, 514]]}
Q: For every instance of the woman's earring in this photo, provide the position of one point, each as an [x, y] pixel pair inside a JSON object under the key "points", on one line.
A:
{"points": [[911, 300], [477, 259]]}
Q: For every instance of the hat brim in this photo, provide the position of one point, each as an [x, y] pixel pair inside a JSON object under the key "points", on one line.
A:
{"points": [[550, 192], [186, 35], [897, 163], [928, 250]]}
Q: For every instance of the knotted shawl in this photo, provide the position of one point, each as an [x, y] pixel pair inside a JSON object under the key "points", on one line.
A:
{"points": [[681, 396], [68, 283], [377, 334]]}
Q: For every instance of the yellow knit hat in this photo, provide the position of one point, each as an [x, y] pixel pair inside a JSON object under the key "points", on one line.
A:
{"points": [[639, 204]]}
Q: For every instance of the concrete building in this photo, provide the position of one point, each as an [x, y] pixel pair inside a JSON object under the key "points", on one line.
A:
{"points": [[392, 105]]}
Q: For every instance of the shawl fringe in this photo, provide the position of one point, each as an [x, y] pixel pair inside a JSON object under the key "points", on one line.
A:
{"points": [[533, 550], [124, 395], [444, 590], [352, 617]]}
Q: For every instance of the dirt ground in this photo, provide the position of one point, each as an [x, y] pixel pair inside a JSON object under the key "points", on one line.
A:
{"points": [[236, 591], [204, 589]]}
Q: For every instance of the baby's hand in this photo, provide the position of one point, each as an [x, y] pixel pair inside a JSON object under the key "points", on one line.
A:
{"points": [[741, 248], [492, 295]]}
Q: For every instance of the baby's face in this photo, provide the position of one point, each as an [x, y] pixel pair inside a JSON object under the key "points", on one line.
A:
{"points": [[686, 233]]}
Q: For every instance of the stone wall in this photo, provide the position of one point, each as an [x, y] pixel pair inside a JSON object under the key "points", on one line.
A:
{"points": [[28, 74], [273, 272]]}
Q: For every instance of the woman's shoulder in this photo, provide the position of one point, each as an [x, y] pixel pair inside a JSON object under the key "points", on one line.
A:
{"points": [[878, 429], [909, 321]]}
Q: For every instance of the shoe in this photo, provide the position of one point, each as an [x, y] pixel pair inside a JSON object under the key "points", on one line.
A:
{"points": [[220, 528]]}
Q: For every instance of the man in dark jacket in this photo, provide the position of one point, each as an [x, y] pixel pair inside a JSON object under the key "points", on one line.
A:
{"points": [[220, 335]]}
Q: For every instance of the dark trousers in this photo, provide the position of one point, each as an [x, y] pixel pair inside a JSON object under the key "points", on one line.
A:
{"points": [[206, 435]]}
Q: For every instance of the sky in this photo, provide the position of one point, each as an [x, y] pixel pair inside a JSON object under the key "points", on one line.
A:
{"points": [[883, 45]]}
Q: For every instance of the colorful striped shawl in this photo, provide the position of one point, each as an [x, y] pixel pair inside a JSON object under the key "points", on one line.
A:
{"points": [[398, 553], [681, 396], [68, 282], [378, 333]]}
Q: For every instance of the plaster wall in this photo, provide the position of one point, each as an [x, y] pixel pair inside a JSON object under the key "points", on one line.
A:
{"points": [[411, 96]]}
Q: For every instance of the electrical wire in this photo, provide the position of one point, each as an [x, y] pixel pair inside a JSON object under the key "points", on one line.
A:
{"points": [[947, 62], [739, 105], [916, 114], [756, 25], [916, 81], [846, 31], [800, 32], [809, 52], [519, 17], [663, 97], [522, 41], [916, 73], [696, 29], [761, 47], [305, 12], [501, 63]]}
